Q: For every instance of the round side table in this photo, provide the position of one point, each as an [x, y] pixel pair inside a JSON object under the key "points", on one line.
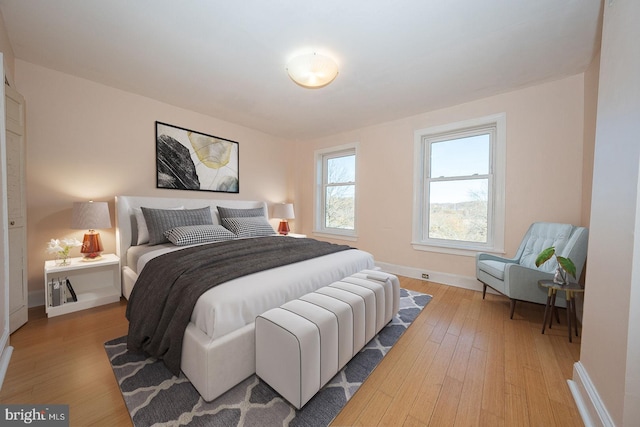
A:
{"points": [[570, 290]]}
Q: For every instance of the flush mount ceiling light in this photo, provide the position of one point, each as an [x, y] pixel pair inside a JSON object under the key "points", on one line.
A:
{"points": [[312, 70]]}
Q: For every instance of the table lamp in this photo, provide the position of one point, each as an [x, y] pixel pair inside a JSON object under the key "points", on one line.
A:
{"points": [[284, 211], [90, 215]]}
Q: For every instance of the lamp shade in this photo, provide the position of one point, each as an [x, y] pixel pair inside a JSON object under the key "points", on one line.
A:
{"points": [[283, 211], [312, 70], [90, 215]]}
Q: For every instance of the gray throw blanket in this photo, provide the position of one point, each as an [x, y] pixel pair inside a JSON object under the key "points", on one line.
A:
{"points": [[168, 287]]}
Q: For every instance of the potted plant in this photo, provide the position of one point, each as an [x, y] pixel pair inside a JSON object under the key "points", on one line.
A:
{"points": [[565, 265]]}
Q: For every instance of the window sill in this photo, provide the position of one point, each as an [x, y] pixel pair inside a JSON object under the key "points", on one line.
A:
{"points": [[462, 251], [350, 238]]}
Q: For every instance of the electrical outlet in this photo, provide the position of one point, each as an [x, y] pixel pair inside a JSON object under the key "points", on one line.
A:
{"points": [[425, 276]]}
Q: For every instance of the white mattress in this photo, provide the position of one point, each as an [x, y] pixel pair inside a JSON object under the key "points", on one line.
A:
{"points": [[234, 304]]}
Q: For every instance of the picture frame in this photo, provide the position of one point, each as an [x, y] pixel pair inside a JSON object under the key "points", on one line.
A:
{"points": [[191, 160]]}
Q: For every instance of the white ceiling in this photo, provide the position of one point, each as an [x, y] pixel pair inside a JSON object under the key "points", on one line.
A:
{"points": [[227, 58]]}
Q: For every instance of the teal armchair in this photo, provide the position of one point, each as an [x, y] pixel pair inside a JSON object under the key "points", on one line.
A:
{"points": [[518, 277]]}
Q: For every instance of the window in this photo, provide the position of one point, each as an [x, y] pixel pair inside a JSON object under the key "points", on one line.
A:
{"points": [[336, 191], [459, 187]]}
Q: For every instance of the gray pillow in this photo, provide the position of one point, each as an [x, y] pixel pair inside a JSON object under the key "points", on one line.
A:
{"points": [[240, 213], [160, 220], [142, 236], [192, 234]]}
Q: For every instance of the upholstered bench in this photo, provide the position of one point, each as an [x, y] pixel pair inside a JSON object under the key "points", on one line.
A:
{"points": [[302, 344]]}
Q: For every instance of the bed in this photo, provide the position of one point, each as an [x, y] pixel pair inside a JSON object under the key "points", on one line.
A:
{"points": [[218, 348]]}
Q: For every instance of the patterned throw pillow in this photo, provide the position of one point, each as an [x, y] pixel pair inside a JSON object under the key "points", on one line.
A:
{"points": [[142, 235], [240, 213], [249, 226], [160, 220], [192, 234], [246, 222]]}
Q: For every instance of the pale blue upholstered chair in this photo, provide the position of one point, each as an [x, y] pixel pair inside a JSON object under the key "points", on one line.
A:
{"points": [[518, 277]]}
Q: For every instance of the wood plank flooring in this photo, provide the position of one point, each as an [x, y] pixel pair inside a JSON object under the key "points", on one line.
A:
{"points": [[462, 362]]}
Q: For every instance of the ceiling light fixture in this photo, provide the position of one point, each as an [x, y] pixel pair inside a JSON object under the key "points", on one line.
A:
{"points": [[312, 70]]}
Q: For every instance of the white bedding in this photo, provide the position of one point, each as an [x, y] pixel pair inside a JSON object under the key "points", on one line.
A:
{"points": [[138, 256], [234, 304], [237, 303]]}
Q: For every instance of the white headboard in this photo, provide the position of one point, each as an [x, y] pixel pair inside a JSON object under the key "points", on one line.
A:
{"points": [[126, 221]]}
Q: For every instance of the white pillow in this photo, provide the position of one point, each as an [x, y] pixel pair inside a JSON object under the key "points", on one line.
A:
{"points": [[143, 230]]}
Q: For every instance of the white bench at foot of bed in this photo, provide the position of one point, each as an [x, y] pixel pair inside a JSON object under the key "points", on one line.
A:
{"points": [[302, 344]]}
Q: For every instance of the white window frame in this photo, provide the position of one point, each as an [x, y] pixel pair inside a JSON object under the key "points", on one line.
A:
{"points": [[321, 157], [496, 208]]}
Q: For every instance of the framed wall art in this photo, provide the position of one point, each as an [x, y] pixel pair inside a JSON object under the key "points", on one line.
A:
{"points": [[190, 160]]}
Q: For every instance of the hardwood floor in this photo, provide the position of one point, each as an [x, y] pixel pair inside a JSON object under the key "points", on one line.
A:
{"points": [[462, 362], [62, 361]]}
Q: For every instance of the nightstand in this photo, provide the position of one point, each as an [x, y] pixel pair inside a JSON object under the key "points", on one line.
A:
{"points": [[94, 282], [299, 236]]}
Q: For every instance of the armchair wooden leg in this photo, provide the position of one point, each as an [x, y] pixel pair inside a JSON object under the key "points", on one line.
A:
{"points": [[484, 290], [513, 308]]}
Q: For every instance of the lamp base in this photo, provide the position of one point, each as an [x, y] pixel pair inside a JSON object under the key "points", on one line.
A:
{"points": [[91, 257], [283, 228], [91, 246]]}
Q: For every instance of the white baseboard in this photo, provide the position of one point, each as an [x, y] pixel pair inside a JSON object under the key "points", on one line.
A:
{"points": [[5, 355], [458, 281], [585, 394]]}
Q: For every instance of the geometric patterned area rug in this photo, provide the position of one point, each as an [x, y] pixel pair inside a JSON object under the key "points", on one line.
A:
{"points": [[155, 397]]}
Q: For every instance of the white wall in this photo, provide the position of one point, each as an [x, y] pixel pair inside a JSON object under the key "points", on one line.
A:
{"points": [[89, 141], [545, 143], [591, 78], [610, 349]]}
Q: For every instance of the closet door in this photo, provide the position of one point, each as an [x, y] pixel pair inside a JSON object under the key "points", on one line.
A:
{"points": [[16, 207]]}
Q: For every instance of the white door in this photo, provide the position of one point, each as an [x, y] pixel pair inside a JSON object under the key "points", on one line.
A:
{"points": [[5, 349], [16, 209]]}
